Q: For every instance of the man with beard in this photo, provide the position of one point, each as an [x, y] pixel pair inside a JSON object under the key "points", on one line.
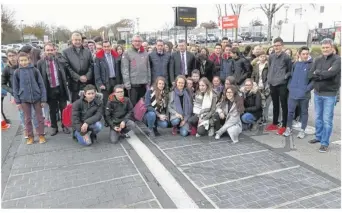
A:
{"points": [[54, 78], [79, 66]]}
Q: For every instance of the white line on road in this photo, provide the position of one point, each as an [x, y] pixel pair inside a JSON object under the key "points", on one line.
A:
{"points": [[337, 142], [77, 164], [142, 202], [177, 194], [203, 143], [231, 156], [181, 171], [251, 176], [305, 198], [73, 187]]}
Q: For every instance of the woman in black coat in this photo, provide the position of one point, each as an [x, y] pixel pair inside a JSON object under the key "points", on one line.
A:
{"points": [[205, 66]]}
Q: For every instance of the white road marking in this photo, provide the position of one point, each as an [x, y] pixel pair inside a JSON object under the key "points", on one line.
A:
{"points": [[305, 198], [251, 176], [177, 194], [141, 202], [231, 156], [180, 170], [336, 142], [203, 143]]}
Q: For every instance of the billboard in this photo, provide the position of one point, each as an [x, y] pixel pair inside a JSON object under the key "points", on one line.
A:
{"points": [[229, 22], [186, 16]]}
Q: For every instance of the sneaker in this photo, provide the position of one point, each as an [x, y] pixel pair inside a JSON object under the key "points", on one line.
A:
{"points": [[211, 132], [272, 127], [217, 137], [301, 134], [323, 149], [42, 139], [281, 131], [296, 124], [174, 130], [288, 132], [29, 141], [314, 141], [198, 135]]}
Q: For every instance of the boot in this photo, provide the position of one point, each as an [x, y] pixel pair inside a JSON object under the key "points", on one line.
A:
{"points": [[29, 141], [93, 138], [156, 133], [42, 139]]}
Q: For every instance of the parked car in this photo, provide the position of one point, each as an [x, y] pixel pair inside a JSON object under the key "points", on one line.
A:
{"points": [[4, 48], [15, 46], [259, 38], [40, 44], [211, 37]]}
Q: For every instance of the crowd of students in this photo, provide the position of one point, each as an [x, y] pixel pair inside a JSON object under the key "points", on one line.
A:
{"points": [[193, 92]]}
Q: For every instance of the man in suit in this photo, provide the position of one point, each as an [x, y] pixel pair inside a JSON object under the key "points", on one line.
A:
{"points": [[182, 62], [54, 78], [107, 71]]}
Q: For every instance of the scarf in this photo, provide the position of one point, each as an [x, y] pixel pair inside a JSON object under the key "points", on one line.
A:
{"points": [[187, 102], [158, 105], [205, 109]]}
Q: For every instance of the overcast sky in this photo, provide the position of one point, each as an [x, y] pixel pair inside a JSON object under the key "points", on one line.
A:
{"points": [[152, 16]]}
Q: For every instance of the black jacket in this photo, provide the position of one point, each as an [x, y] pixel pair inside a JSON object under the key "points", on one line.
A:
{"points": [[160, 65], [84, 112], [7, 78], [101, 69], [252, 101], [326, 73], [241, 70], [175, 64], [116, 111], [255, 75], [76, 65], [208, 68], [41, 66]]}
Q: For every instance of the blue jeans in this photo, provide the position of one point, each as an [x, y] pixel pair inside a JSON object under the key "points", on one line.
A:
{"points": [[94, 129], [248, 118], [152, 121], [304, 106], [33, 115], [184, 130], [324, 109]]}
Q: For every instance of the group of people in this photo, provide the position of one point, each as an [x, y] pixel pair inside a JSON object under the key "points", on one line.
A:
{"points": [[194, 92]]}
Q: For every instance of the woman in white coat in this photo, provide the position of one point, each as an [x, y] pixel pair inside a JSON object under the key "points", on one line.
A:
{"points": [[228, 112]]}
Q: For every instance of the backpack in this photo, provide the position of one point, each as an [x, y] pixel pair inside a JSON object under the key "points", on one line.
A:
{"points": [[67, 116]]}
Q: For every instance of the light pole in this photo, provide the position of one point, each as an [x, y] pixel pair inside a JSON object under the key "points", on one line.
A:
{"points": [[286, 8], [22, 30]]}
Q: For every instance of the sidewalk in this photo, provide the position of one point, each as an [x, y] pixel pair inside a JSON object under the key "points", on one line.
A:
{"points": [[212, 174]]}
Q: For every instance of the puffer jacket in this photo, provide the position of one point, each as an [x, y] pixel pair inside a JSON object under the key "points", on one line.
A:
{"points": [[7, 78], [252, 101], [28, 85], [135, 67], [78, 64], [117, 111], [84, 112]]}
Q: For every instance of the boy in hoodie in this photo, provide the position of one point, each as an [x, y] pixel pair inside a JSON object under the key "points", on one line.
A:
{"points": [[119, 114], [29, 91], [86, 115], [300, 87]]}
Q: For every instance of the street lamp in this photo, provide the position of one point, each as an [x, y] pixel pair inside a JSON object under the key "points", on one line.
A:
{"points": [[22, 30], [286, 8]]}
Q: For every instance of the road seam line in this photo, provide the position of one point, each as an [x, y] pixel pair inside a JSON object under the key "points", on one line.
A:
{"points": [[305, 198], [141, 202], [172, 188], [74, 187], [129, 157], [251, 176], [180, 170], [64, 166], [231, 156], [203, 143]]}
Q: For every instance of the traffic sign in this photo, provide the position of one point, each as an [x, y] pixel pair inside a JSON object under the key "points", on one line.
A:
{"points": [[229, 22]]}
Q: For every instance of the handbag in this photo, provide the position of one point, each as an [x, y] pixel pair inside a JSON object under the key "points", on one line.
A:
{"points": [[139, 110]]}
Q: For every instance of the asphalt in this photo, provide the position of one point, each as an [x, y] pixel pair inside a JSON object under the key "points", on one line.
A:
{"points": [[263, 170]]}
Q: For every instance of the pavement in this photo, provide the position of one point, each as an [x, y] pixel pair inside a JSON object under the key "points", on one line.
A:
{"points": [[263, 170]]}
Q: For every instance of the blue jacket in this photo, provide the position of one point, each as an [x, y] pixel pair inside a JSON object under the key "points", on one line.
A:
{"points": [[227, 68], [28, 85], [299, 84]]}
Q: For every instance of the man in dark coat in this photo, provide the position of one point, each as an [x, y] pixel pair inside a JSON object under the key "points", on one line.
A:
{"points": [[79, 66], [54, 78], [160, 63]]}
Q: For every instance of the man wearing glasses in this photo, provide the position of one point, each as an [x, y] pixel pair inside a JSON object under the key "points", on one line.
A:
{"points": [[280, 67], [136, 71]]}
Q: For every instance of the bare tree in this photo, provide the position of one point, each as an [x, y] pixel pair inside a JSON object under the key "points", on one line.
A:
{"points": [[269, 10], [7, 22], [236, 8]]}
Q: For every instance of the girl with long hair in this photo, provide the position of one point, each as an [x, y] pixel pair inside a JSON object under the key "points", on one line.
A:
{"points": [[156, 105], [228, 112]]}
